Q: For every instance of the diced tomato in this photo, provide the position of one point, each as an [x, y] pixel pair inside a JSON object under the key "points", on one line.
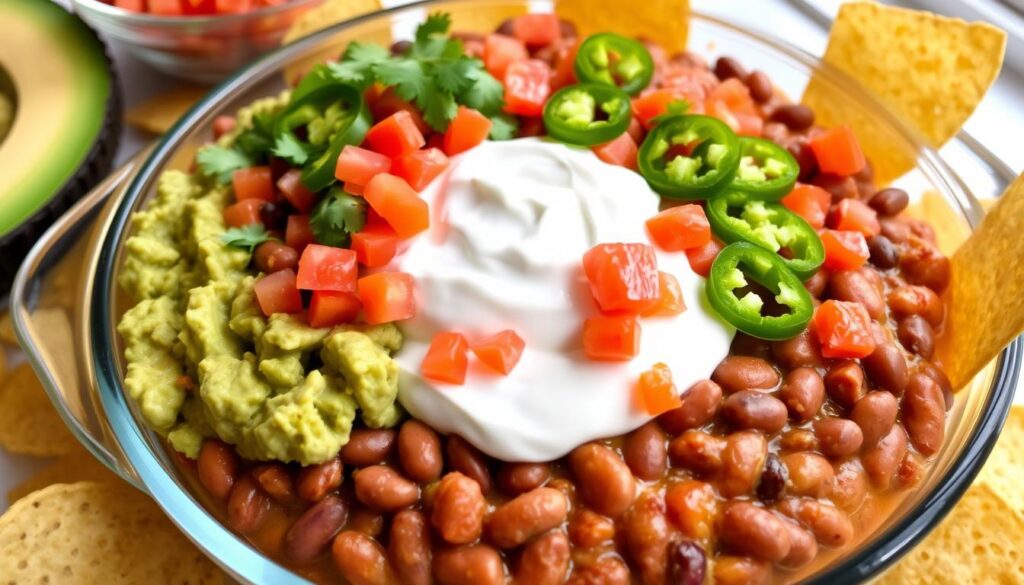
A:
{"points": [[680, 228], [131, 5], [565, 66], [387, 297], [701, 258], [855, 216], [199, 7], [356, 166], [166, 7], [636, 130], [527, 87], [297, 233], [655, 103], [500, 51], [231, 6], [327, 268], [500, 351], [353, 189], [809, 202], [328, 308], [395, 135], [843, 329], [537, 30], [420, 167], [446, 359], [387, 102], [253, 183], [611, 338], [467, 130], [731, 103], [623, 277], [276, 293], [221, 124], [838, 151], [670, 298], [290, 185], [620, 152], [844, 250], [375, 245], [656, 392], [245, 212], [398, 204]]}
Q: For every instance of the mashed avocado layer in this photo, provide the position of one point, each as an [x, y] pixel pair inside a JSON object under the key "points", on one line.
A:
{"points": [[203, 361]]}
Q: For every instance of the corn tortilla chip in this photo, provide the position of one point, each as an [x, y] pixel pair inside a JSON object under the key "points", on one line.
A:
{"points": [[1004, 470], [950, 228], [986, 296], [102, 533], [157, 114], [666, 22], [981, 541], [28, 422], [931, 70], [79, 465], [329, 13]]}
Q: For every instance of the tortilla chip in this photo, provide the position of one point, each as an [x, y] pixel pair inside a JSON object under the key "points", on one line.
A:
{"points": [[1004, 470], [97, 533], [79, 465], [981, 541], [666, 22], [950, 228], [329, 13], [987, 203], [28, 422], [986, 296], [930, 69], [159, 113]]}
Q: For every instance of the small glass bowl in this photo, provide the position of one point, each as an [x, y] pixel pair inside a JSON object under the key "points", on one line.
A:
{"points": [[204, 49]]}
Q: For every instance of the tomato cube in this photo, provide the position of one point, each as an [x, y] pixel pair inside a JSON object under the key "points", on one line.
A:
{"points": [[854, 215], [327, 268], [395, 135], [619, 152], [838, 152], [166, 7], [680, 228], [353, 189], [670, 298], [297, 233], [537, 30], [623, 277], [702, 257], [358, 165], [253, 183], [565, 66], [131, 5], [387, 297], [844, 250], [809, 202], [656, 103], [469, 129], [290, 185], [199, 7], [231, 6], [844, 330], [388, 103], [656, 392], [527, 87], [328, 308], [420, 167], [375, 245], [446, 359], [398, 204], [221, 124], [245, 212], [276, 293], [730, 102], [611, 338], [501, 351], [500, 51]]}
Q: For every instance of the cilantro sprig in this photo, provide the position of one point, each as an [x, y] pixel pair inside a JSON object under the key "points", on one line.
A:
{"points": [[246, 237], [336, 217], [251, 147]]}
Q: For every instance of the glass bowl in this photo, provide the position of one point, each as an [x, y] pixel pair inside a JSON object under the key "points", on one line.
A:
{"points": [[205, 49], [66, 302]]}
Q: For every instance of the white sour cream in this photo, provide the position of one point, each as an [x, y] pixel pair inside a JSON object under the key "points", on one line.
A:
{"points": [[510, 222]]}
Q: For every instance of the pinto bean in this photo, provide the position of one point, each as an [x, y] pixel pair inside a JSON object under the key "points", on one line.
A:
{"points": [[803, 392], [247, 506], [419, 451], [916, 334], [830, 525], [802, 351], [478, 564], [838, 437], [644, 452], [727, 68], [909, 300], [754, 531], [459, 509], [368, 447], [311, 532], [275, 480], [517, 478], [740, 372], [889, 202], [875, 414], [272, 256], [802, 545], [698, 451], [742, 460], [816, 284], [773, 479], [935, 373], [409, 547], [382, 489], [217, 467], [854, 286], [882, 460], [751, 409], [606, 571], [526, 516], [692, 506], [850, 486], [315, 481], [730, 570], [603, 479], [796, 117], [647, 537], [887, 367], [844, 383], [545, 561], [361, 560], [924, 414], [468, 460], [883, 252], [809, 474], [588, 529], [923, 264], [795, 440], [700, 403], [839, 186]]}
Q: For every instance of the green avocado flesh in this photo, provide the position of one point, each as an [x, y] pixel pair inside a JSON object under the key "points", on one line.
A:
{"points": [[65, 57]]}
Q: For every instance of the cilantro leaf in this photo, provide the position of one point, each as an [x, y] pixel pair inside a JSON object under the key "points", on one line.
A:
{"points": [[357, 63], [454, 76], [503, 127], [336, 216], [437, 106], [432, 36], [220, 162], [405, 75], [246, 237], [290, 149], [486, 94]]}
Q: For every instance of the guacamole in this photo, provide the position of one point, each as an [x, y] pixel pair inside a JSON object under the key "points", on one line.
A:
{"points": [[202, 359]]}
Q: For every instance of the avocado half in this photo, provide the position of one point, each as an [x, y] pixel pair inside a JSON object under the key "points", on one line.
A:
{"points": [[60, 117]]}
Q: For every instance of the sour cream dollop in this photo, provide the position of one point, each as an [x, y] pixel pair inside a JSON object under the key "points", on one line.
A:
{"points": [[510, 223]]}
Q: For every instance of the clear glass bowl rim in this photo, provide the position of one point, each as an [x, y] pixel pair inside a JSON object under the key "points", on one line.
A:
{"points": [[128, 18], [243, 561]]}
